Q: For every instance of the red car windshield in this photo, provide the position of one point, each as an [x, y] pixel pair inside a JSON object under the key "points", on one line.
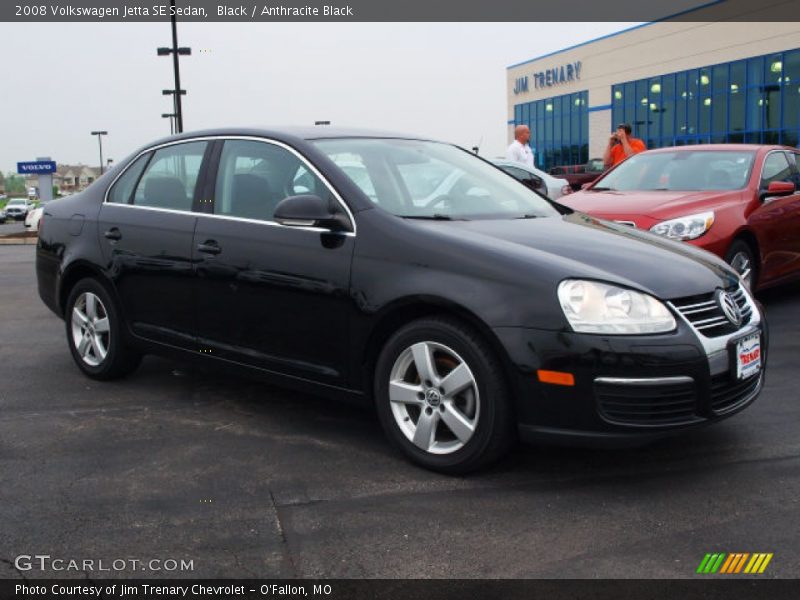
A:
{"points": [[681, 171]]}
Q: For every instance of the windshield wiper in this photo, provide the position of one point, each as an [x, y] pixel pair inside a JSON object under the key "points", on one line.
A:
{"points": [[602, 189], [433, 217], [528, 216]]}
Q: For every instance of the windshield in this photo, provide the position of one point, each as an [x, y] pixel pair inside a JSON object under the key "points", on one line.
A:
{"points": [[680, 170], [16, 202], [421, 179]]}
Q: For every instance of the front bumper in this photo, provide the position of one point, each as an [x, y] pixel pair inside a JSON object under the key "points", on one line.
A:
{"points": [[628, 389]]}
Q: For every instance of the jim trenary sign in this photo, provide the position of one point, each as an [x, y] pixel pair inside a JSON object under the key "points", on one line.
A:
{"points": [[549, 77]]}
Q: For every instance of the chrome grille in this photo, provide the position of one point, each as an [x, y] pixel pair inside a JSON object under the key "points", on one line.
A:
{"points": [[706, 315]]}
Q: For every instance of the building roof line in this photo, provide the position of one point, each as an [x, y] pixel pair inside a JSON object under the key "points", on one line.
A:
{"points": [[616, 33]]}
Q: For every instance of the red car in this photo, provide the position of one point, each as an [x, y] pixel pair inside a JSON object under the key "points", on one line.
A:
{"points": [[739, 201], [579, 175]]}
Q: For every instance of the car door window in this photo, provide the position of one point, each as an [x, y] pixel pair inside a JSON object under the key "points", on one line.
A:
{"points": [[122, 191], [520, 174], [528, 179], [171, 176], [776, 168], [794, 162], [255, 176]]}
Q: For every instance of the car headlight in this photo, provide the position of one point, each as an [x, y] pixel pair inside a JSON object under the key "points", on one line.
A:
{"points": [[685, 228], [593, 307]]}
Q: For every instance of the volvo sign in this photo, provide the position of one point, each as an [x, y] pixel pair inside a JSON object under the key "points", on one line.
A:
{"points": [[43, 168], [36, 167]]}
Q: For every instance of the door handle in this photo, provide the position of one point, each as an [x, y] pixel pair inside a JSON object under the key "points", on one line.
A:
{"points": [[113, 234], [209, 247]]}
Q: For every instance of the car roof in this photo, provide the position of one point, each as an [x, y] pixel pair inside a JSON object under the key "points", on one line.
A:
{"points": [[721, 147], [504, 162], [292, 133]]}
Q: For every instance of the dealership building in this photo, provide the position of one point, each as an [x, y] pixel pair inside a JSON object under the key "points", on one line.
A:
{"points": [[675, 81]]}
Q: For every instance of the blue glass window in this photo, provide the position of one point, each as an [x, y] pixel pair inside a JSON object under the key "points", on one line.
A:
{"points": [[752, 100], [559, 129]]}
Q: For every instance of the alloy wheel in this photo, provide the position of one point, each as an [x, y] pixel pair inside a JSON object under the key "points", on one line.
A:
{"points": [[434, 397], [91, 332], [740, 262]]}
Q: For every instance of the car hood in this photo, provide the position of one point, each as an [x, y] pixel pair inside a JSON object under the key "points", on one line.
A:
{"points": [[659, 205], [578, 245]]}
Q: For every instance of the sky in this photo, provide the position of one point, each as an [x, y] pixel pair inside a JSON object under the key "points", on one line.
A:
{"points": [[440, 80]]}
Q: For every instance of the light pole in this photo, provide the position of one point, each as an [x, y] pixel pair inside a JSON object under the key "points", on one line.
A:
{"points": [[175, 51], [174, 99], [99, 135], [170, 116]]}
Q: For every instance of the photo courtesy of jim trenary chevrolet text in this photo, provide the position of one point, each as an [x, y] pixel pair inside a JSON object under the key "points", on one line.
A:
{"points": [[366, 299]]}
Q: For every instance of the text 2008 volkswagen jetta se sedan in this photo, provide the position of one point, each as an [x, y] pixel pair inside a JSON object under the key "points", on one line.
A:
{"points": [[407, 272]]}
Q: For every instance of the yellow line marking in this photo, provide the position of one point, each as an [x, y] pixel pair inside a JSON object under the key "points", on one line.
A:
{"points": [[752, 563], [757, 564], [766, 562]]}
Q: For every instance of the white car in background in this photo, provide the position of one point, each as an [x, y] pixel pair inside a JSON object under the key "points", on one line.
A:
{"points": [[18, 208], [552, 187], [33, 218]]}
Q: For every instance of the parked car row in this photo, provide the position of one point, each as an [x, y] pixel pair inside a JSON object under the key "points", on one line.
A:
{"points": [[416, 277], [739, 202]]}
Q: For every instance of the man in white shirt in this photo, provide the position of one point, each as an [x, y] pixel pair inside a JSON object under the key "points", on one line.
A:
{"points": [[519, 150]]}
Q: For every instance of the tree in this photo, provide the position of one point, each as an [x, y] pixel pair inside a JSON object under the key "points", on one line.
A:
{"points": [[15, 184]]}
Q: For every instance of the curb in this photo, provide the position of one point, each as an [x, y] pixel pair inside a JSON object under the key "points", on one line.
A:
{"points": [[18, 241]]}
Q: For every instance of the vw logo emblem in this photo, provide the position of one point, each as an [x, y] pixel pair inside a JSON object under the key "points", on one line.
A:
{"points": [[729, 308], [433, 397]]}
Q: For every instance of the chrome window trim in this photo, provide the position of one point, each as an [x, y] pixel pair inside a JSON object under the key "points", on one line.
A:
{"points": [[275, 224], [644, 380], [764, 162], [230, 218], [263, 140]]}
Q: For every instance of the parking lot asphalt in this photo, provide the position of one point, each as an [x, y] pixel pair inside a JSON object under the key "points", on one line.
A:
{"points": [[248, 480]]}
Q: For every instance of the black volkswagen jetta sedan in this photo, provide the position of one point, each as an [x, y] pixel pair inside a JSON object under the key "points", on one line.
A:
{"points": [[408, 273]]}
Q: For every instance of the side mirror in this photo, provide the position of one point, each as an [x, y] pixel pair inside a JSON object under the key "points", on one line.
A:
{"points": [[307, 210], [778, 188]]}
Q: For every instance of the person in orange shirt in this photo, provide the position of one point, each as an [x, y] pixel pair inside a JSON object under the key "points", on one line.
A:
{"points": [[621, 145]]}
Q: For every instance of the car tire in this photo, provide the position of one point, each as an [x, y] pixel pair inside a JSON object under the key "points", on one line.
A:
{"points": [[740, 257], [94, 332], [453, 415]]}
